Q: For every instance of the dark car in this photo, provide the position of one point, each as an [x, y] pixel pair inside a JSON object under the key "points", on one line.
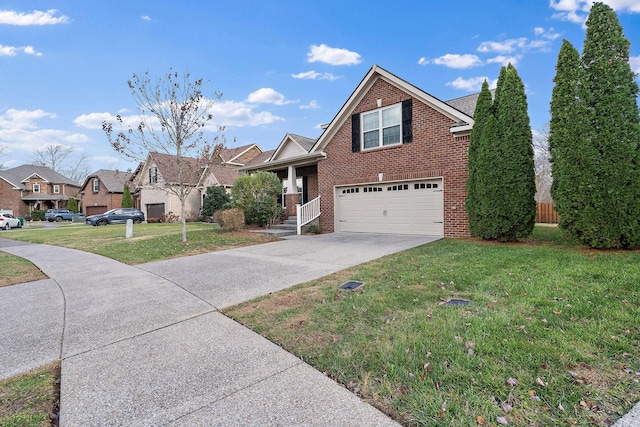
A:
{"points": [[58, 215], [116, 216]]}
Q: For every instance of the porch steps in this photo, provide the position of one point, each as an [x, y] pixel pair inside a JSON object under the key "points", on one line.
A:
{"points": [[287, 228]]}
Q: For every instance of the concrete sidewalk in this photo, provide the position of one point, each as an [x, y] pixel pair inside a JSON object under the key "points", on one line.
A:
{"points": [[145, 345]]}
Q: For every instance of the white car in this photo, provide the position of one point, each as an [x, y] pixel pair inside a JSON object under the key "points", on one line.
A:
{"points": [[8, 221]]}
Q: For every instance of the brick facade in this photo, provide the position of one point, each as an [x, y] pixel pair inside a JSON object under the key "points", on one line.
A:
{"points": [[434, 152]]}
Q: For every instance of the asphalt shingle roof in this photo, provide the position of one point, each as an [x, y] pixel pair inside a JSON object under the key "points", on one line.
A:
{"points": [[17, 175]]}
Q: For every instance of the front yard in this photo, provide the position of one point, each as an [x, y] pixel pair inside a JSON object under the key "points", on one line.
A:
{"points": [[551, 335], [150, 242]]}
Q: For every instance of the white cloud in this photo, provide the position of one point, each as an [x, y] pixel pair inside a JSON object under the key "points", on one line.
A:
{"points": [[454, 61], [37, 17], [634, 61], [332, 55], [504, 60], [228, 113], [577, 11], [240, 114], [310, 106], [473, 84], [267, 95], [23, 119], [314, 75], [549, 34], [146, 18], [511, 45], [13, 50]]}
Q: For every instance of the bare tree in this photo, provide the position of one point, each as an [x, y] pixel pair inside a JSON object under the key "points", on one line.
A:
{"points": [[542, 165], [173, 113], [64, 161]]}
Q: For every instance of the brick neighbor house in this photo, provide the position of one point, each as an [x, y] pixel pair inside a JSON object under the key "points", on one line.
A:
{"points": [[30, 187], [153, 178], [393, 160], [102, 191]]}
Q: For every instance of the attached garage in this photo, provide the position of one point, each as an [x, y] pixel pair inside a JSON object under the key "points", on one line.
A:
{"points": [[94, 210], [410, 207]]}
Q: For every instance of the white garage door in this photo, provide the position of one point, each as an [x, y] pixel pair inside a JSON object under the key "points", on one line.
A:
{"points": [[413, 207]]}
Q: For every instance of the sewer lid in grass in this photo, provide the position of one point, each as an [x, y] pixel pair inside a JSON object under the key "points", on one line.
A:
{"points": [[350, 285], [455, 301]]}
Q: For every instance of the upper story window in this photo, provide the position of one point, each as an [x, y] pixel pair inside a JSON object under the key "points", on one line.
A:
{"points": [[96, 185], [386, 126], [36, 188], [56, 189], [382, 127], [153, 175]]}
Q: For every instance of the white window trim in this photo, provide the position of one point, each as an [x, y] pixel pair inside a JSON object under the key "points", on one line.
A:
{"points": [[56, 189], [36, 188], [93, 185], [380, 128]]}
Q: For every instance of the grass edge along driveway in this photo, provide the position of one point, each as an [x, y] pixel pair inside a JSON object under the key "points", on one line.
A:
{"points": [[551, 336]]}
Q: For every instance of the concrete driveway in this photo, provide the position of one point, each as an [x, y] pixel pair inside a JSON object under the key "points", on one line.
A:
{"points": [[145, 345]]}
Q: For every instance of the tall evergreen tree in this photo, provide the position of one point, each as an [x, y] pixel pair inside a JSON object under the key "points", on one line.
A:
{"points": [[596, 136], [569, 135], [480, 117], [512, 202], [127, 200], [612, 97]]}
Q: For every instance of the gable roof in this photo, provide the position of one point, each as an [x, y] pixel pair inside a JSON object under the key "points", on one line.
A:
{"points": [[19, 175], [224, 176], [464, 121], [113, 180], [292, 145], [261, 158], [231, 155], [467, 104], [168, 168]]}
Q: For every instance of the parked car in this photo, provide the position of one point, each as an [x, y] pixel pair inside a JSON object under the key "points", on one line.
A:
{"points": [[58, 215], [116, 216], [8, 221]]}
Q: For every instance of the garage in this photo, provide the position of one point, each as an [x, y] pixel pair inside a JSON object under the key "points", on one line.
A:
{"points": [[411, 207]]}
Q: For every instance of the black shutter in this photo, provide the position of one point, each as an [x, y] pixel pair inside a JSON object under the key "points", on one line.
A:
{"points": [[407, 125], [355, 133]]}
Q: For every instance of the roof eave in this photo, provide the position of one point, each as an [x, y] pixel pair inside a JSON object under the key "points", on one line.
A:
{"points": [[303, 160]]}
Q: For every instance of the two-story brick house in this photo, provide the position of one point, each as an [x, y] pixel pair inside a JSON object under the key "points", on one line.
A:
{"points": [[30, 187], [393, 160], [102, 190]]}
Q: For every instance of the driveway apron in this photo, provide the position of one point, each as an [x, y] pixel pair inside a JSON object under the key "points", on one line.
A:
{"points": [[145, 345]]}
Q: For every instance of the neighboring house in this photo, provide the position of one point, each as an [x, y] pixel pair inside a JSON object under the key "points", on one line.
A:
{"points": [[235, 157], [29, 187], [102, 191], [158, 173], [393, 160]]}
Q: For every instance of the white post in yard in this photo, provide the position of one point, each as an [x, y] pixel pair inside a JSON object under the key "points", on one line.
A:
{"points": [[129, 230]]}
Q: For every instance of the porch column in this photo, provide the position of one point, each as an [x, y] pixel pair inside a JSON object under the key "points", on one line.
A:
{"points": [[292, 191], [291, 180]]}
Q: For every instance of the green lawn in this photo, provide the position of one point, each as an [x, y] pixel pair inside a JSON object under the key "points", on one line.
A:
{"points": [[150, 242], [29, 400], [551, 336]]}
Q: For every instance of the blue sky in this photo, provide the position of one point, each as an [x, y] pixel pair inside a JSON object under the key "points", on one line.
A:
{"points": [[282, 65]]}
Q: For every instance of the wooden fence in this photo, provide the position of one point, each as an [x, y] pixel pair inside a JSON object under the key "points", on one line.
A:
{"points": [[545, 214]]}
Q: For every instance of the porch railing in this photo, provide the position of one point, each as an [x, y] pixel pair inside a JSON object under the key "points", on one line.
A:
{"points": [[307, 213]]}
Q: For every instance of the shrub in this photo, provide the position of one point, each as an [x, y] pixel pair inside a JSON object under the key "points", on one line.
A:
{"points": [[38, 215], [314, 229], [127, 199], [257, 195], [215, 199], [232, 219]]}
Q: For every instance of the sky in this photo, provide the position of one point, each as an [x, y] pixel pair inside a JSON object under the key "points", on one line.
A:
{"points": [[282, 66]]}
